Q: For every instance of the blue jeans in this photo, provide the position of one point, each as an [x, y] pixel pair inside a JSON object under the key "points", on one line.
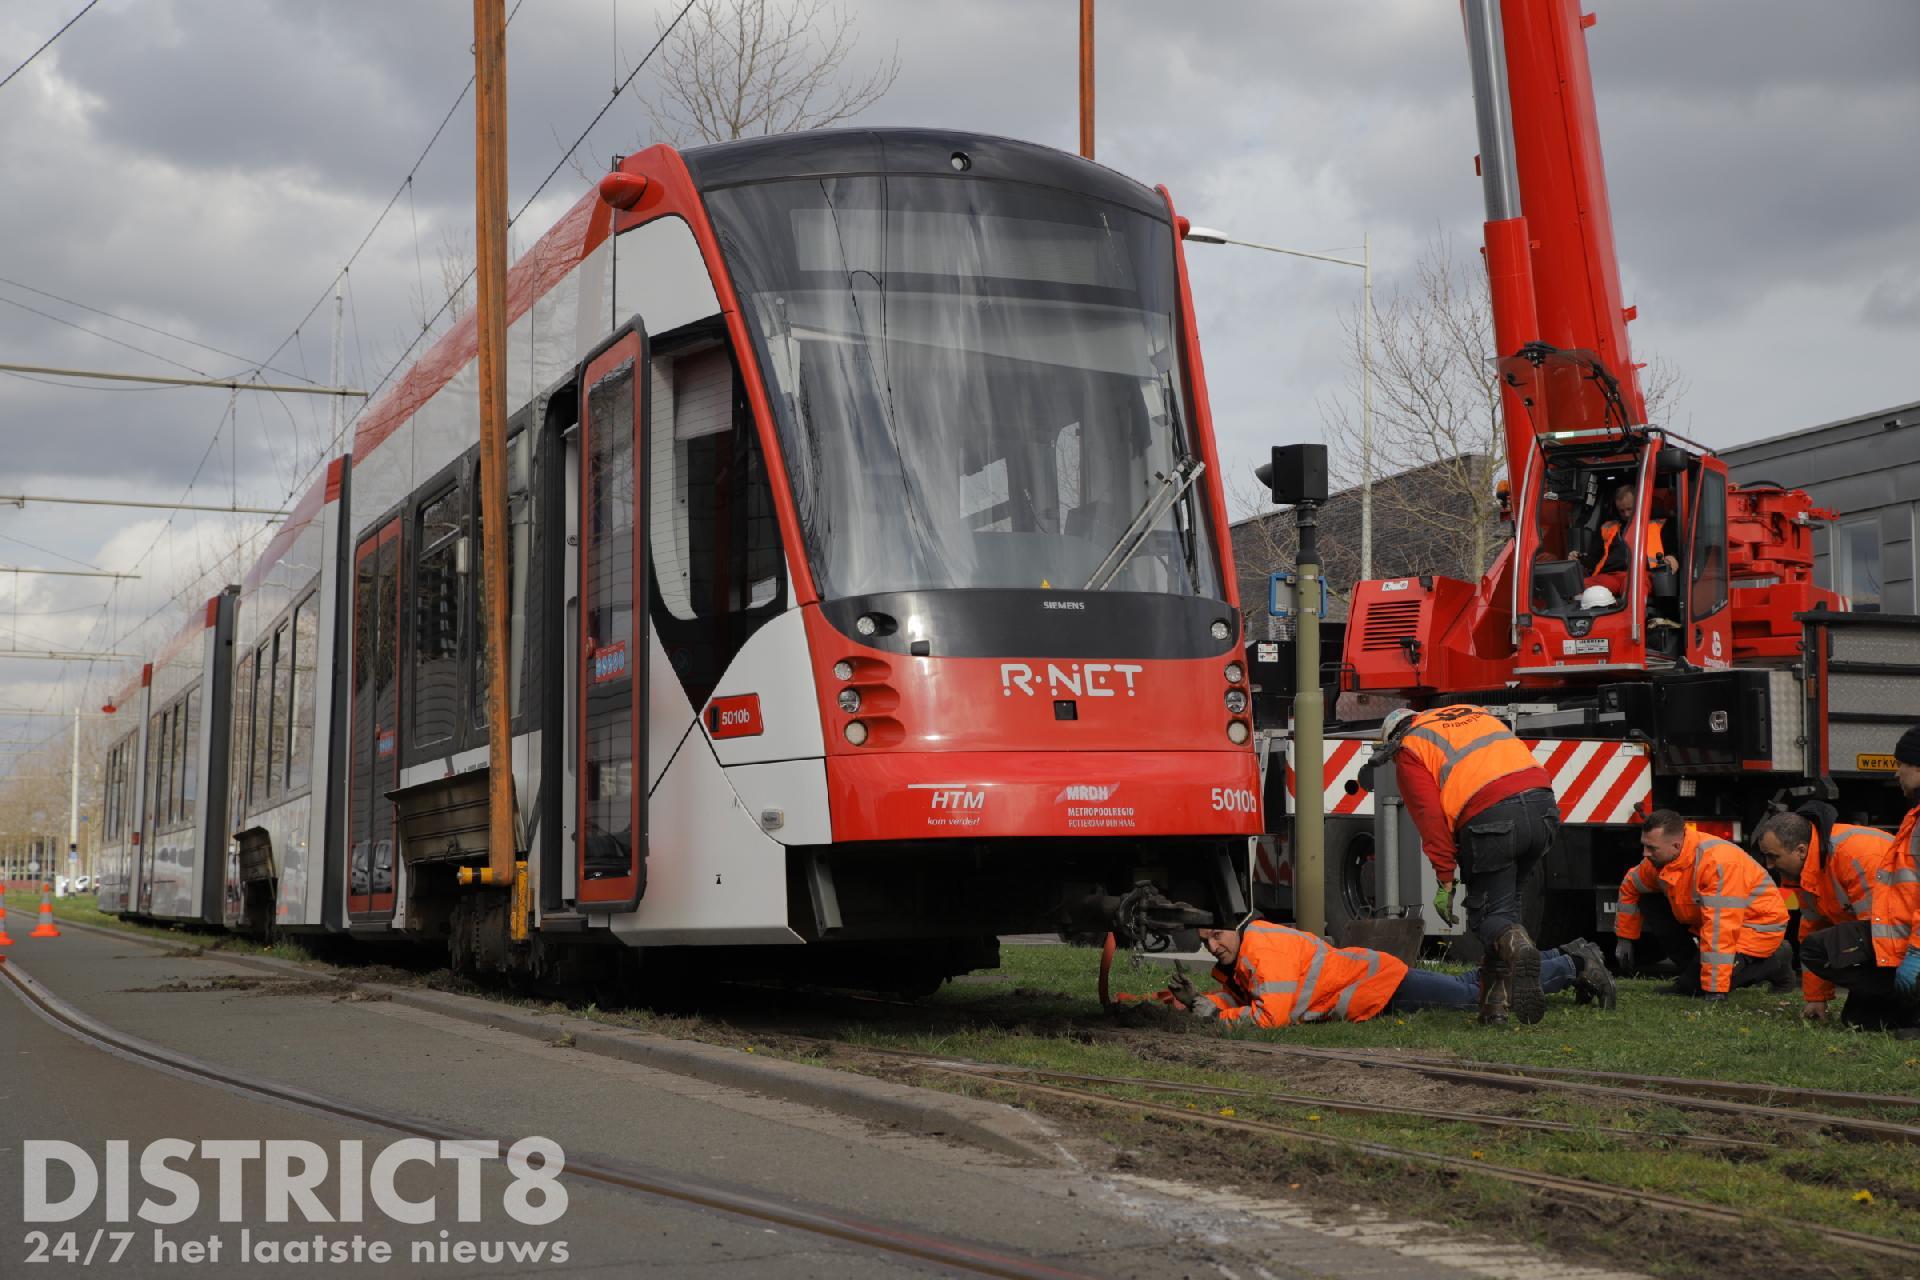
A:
{"points": [[1431, 989], [1499, 847]]}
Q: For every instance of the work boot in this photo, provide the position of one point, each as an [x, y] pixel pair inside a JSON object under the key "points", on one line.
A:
{"points": [[1494, 991], [1520, 966], [1591, 981]]}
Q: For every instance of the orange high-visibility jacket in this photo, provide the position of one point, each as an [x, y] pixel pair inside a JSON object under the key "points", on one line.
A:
{"points": [[1283, 976], [1453, 763], [1719, 892], [1656, 550], [1896, 898], [1836, 887]]}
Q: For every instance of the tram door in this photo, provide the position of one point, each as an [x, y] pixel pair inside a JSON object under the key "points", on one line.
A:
{"points": [[611, 711], [373, 750]]}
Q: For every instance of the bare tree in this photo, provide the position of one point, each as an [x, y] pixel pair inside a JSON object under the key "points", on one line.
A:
{"points": [[1436, 399], [742, 68]]}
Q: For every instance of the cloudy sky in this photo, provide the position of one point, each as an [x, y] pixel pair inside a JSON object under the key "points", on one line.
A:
{"points": [[204, 168]]}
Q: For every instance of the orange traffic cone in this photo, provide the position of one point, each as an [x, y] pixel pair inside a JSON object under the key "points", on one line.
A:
{"points": [[45, 928], [5, 941]]}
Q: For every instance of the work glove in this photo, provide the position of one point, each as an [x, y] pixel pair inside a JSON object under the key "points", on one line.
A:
{"points": [[1907, 976], [1183, 990], [1623, 956], [1814, 1011], [1443, 903]]}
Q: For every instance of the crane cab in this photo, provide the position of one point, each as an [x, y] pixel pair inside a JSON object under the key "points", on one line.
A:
{"points": [[1620, 535]]}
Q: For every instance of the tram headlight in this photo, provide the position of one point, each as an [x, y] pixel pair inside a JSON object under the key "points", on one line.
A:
{"points": [[857, 733], [843, 670], [1236, 701], [866, 625], [1237, 732], [1235, 673], [1220, 629], [849, 700]]}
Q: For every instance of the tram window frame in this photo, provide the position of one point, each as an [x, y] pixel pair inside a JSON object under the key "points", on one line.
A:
{"points": [[522, 517], [278, 708], [686, 547], [306, 643], [439, 604], [257, 791], [242, 753], [155, 782], [188, 768]]}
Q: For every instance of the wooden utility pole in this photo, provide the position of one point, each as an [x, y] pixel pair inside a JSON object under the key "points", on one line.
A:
{"points": [[490, 245], [1086, 78]]}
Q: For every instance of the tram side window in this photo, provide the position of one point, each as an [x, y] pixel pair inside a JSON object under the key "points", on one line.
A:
{"points": [[242, 733], [157, 768], [262, 719], [520, 523], [282, 698], [189, 712], [718, 567], [306, 639], [438, 611]]}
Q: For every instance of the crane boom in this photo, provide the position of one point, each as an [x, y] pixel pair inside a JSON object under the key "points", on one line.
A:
{"points": [[1549, 230]]}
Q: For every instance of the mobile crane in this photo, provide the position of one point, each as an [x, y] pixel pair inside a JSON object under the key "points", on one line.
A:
{"points": [[1719, 679]]}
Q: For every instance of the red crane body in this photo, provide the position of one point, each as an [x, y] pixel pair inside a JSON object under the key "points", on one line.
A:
{"points": [[1703, 574]]}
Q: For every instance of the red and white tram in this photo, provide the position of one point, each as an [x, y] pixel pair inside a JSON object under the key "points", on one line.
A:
{"points": [[870, 580]]}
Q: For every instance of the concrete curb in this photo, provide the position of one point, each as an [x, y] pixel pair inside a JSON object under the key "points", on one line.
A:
{"points": [[991, 1126]]}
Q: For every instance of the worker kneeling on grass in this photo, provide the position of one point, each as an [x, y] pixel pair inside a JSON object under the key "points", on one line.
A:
{"points": [[1272, 975], [1837, 868], [1708, 906], [1877, 956], [1484, 807]]}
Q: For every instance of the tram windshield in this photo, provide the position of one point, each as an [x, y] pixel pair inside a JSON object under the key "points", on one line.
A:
{"points": [[978, 383]]}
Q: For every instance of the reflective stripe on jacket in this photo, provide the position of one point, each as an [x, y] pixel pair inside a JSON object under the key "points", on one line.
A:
{"points": [[1896, 899], [1836, 887], [1719, 892], [1453, 763], [1283, 976], [1656, 550]]}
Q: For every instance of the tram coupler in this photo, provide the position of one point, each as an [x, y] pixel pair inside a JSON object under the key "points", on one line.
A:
{"points": [[1143, 918]]}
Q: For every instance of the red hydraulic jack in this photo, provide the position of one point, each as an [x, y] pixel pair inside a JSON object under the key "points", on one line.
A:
{"points": [[45, 928]]}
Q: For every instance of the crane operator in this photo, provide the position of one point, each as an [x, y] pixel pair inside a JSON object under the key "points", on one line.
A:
{"points": [[1609, 568]]}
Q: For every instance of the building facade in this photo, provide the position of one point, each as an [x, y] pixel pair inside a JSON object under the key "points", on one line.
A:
{"points": [[1867, 470]]}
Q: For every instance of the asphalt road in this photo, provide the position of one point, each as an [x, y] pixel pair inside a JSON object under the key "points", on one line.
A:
{"points": [[443, 1075]]}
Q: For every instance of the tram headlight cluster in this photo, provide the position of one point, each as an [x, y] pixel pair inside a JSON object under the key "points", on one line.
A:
{"points": [[843, 670], [850, 700], [1236, 701]]}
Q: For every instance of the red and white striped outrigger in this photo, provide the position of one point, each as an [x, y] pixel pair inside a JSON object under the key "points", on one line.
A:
{"points": [[1598, 783]]}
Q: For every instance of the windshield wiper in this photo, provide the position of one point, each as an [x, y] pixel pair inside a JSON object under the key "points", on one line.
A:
{"points": [[1173, 486]]}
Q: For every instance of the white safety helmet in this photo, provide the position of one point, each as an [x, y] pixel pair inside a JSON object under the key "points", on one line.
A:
{"points": [[1395, 723], [1597, 598]]}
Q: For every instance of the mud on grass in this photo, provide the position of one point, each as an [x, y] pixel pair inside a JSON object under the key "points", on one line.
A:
{"points": [[1334, 1183]]}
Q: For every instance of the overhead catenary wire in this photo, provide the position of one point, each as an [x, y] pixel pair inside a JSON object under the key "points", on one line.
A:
{"points": [[153, 329], [49, 42], [426, 326]]}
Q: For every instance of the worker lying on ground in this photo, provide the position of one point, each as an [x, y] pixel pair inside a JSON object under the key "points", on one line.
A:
{"points": [[1484, 807], [1708, 906], [1836, 867], [1271, 975]]}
